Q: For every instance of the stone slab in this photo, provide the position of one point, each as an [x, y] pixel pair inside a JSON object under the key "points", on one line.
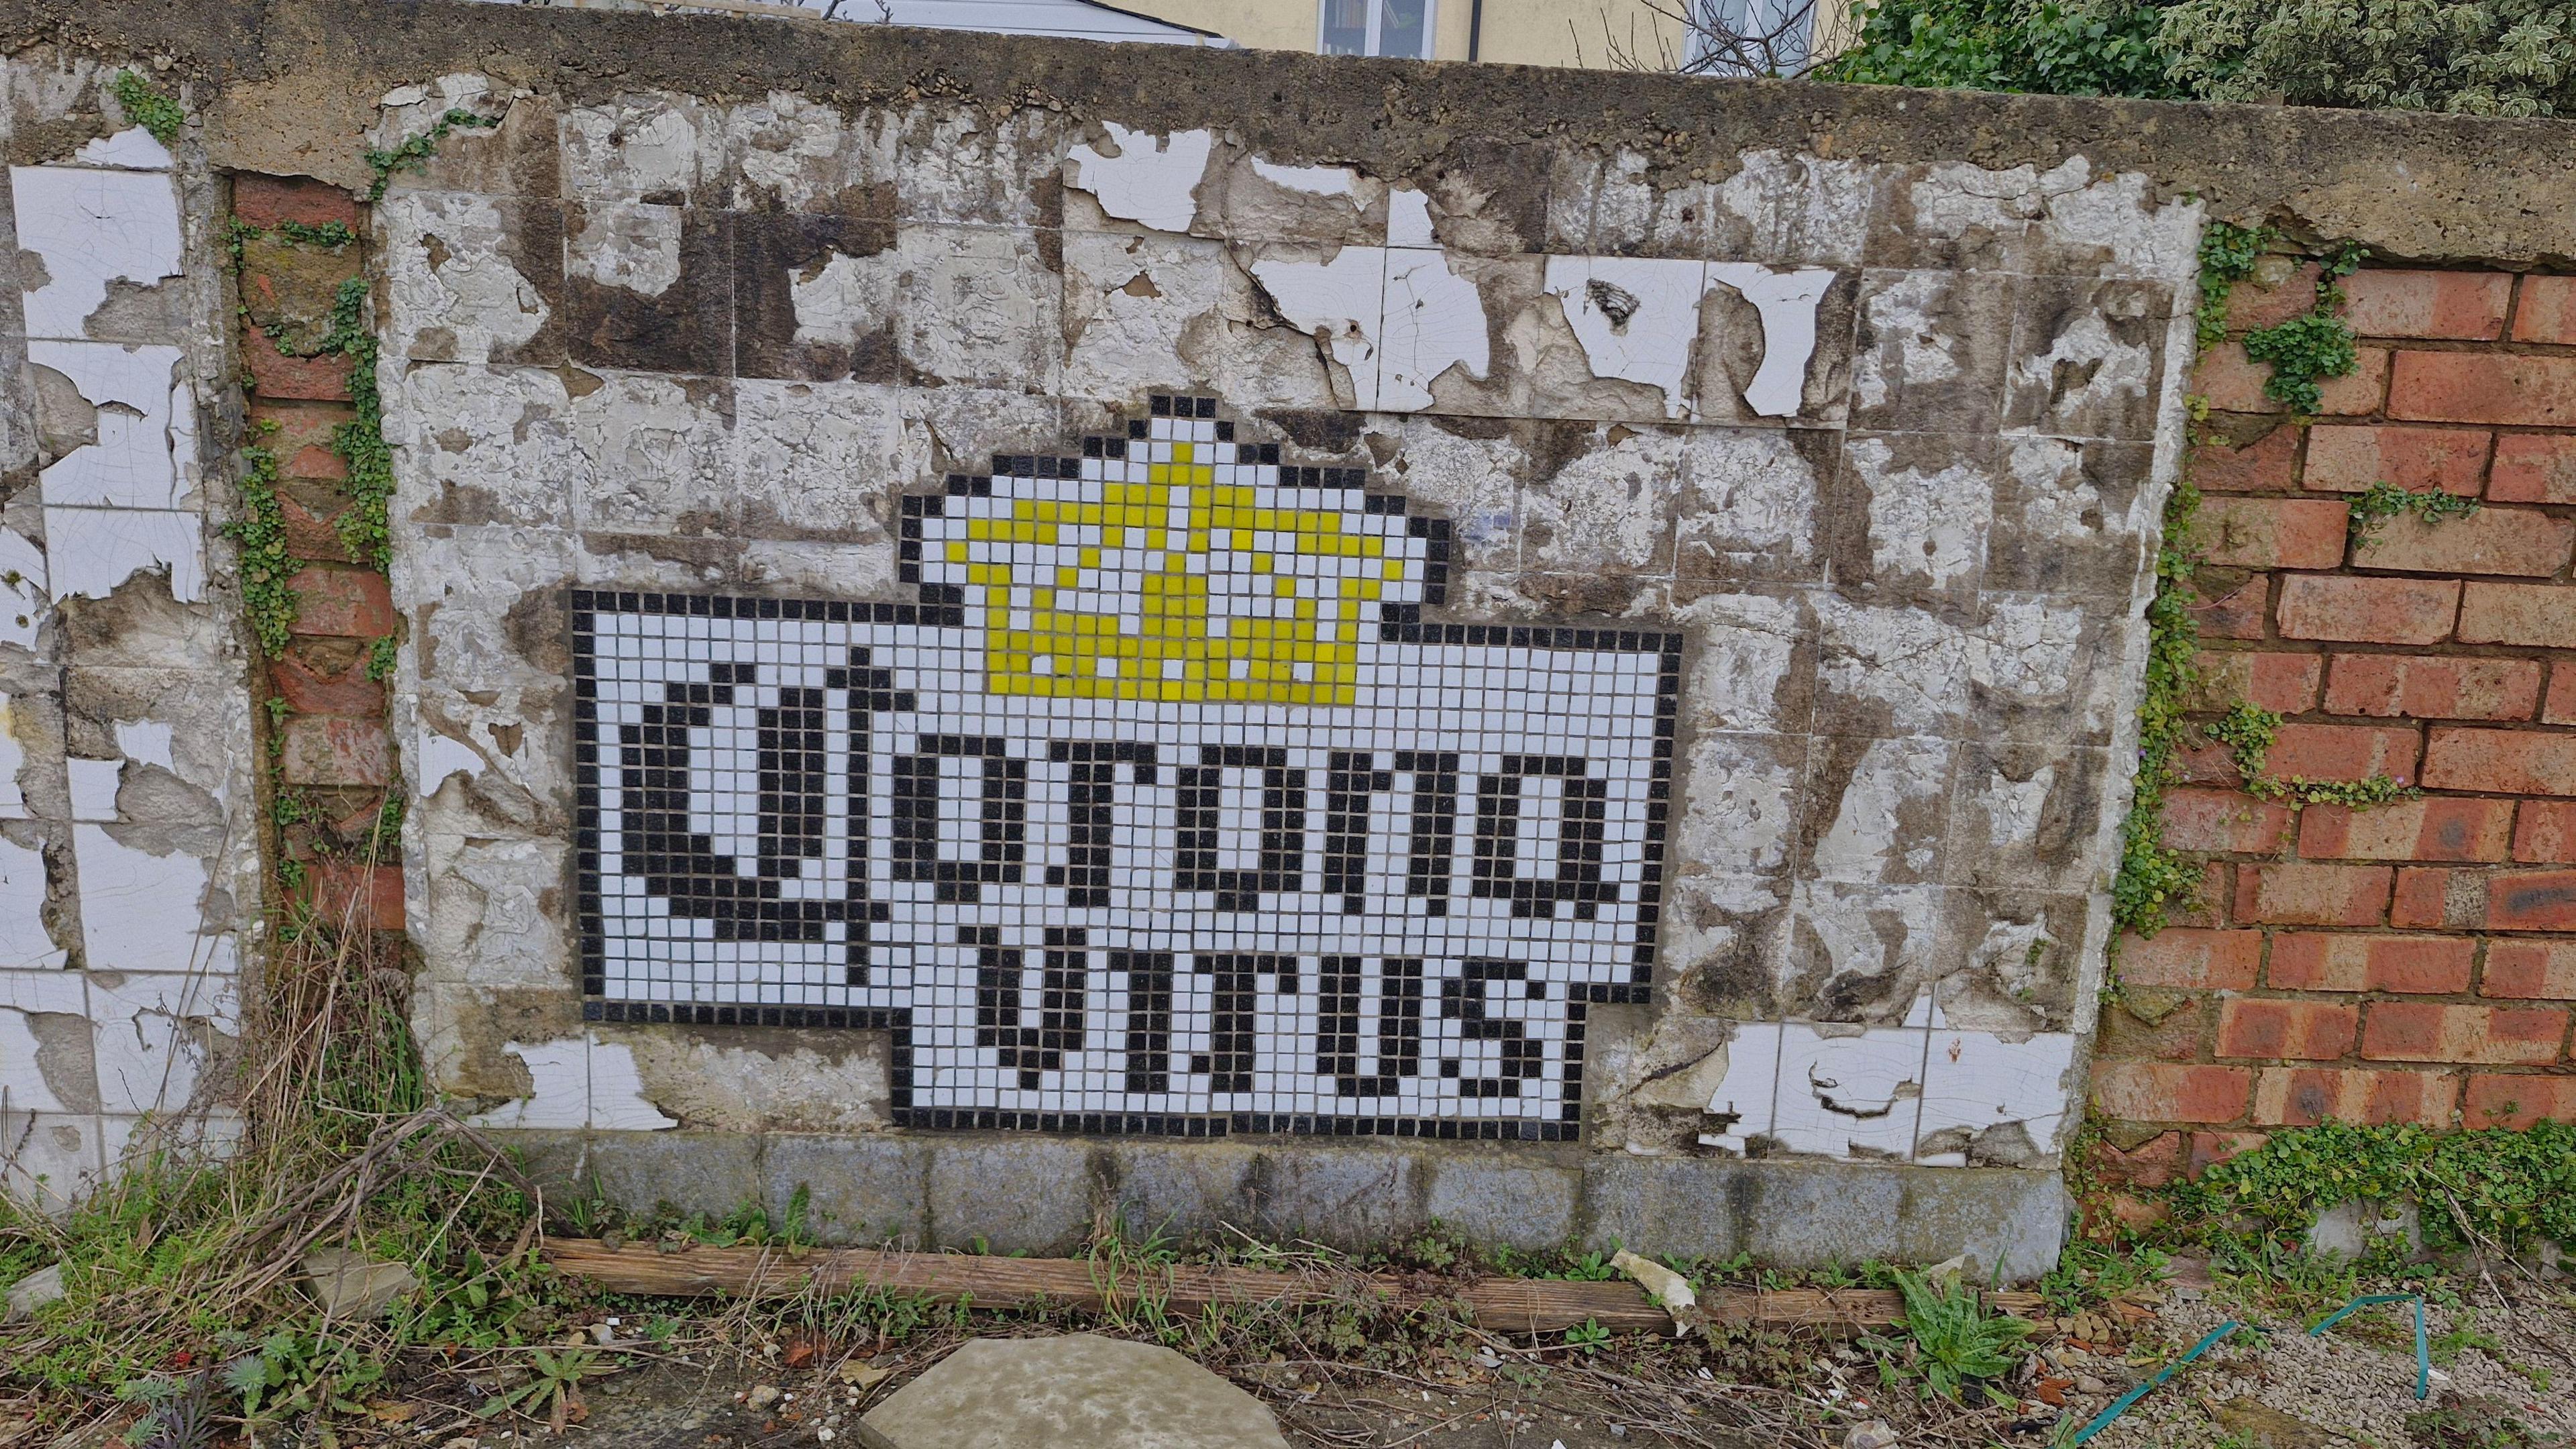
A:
{"points": [[1077, 1392]]}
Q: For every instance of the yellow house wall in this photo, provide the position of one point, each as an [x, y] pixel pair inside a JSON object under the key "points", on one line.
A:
{"points": [[1523, 32]]}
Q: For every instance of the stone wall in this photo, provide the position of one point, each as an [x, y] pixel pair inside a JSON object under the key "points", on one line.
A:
{"points": [[1628, 700], [2406, 962]]}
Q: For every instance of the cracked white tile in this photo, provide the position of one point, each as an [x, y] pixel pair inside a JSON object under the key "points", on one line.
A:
{"points": [[91, 552], [143, 910], [88, 229], [145, 425], [24, 598], [1786, 302]]}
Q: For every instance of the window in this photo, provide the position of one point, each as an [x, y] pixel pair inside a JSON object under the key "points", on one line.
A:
{"points": [[1377, 27], [1750, 37]]}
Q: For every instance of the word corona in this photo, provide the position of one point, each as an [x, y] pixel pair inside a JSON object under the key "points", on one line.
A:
{"points": [[1162, 810]]}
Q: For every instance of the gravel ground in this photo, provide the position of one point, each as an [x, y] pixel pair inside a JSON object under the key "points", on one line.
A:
{"points": [[2358, 1381]]}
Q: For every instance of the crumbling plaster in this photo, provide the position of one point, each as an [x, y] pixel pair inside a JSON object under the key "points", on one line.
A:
{"points": [[129, 864]]}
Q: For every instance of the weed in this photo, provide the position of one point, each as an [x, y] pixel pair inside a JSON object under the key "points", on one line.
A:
{"points": [[1951, 1341], [2154, 879], [2248, 732], [381, 657], [1588, 1336], [147, 106], [2227, 256], [265, 567], [414, 153], [2462, 1421], [2381, 501]]}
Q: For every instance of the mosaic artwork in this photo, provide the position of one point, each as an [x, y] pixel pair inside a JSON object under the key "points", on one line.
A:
{"points": [[1161, 808]]}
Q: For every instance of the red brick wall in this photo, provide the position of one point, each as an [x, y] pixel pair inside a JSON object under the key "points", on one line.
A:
{"points": [[326, 718], [2413, 962]]}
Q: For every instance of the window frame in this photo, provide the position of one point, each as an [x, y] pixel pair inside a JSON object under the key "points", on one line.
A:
{"points": [[1373, 35]]}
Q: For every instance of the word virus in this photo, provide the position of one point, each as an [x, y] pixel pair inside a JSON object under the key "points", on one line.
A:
{"points": [[1163, 809]]}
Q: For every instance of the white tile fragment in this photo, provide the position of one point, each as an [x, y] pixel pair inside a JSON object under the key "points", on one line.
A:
{"points": [[145, 742], [93, 785], [13, 758], [1744, 1095], [1849, 1095], [23, 941], [131, 465], [1340, 303], [1977, 1080], [1637, 318], [153, 1036], [141, 911], [132, 149], [1408, 219], [1787, 303], [1149, 181], [87, 229], [576, 1082], [23, 592], [24, 1084], [1434, 320], [617, 1100], [93, 551], [1313, 180], [443, 756]]}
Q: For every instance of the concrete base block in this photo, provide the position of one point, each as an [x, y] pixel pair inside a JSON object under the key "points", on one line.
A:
{"points": [[1043, 1195]]}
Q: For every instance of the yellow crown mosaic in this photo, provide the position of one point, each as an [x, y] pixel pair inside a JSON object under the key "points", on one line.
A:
{"points": [[1175, 565]]}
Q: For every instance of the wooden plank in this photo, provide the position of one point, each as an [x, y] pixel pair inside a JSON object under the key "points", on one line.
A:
{"points": [[1515, 1305]]}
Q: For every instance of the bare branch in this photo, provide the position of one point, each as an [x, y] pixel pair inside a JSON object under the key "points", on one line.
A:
{"points": [[1727, 37]]}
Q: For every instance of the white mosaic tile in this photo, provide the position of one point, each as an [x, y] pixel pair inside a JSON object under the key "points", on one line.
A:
{"points": [[1161, 811]]}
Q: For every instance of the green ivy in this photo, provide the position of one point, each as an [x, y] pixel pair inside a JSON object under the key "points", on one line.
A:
{"points": [[266, 566], [414, 153], [360, 442], [2309, 346], [147, 106], [381, 658], [2382, 501], [2228, 254], [2510, 1187], [2154, 879], [2039, 46], [333, 234], [2248, 730]]}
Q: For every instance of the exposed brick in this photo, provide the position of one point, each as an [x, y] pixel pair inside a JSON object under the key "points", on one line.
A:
{"points": [[2281, 683], [2308, 1096], [2518, 1102], [276, 375], [2426, 1031], [320, 750], [2373, 611], [2164, 1092], [2489, 541], [2422, 686], [2531, 970], [2502, 762], [2279, 290], [2267, 533], [2484, 387], [2315, 1031], [349, 895], [2226, 821], [2547, 312], [2532, 900], [346, 602], [2208, 1149], [2152, 1163], [2542, 614], [2341, 752], [2465, 305], [348, 693], [2429, 897], [2208, 763], [2560, 705], [309, 535], [2544, 832], [2268, 464], [2437, 828], [2190, 959], [2312, 895], [2534, 468], [2351, 459], [264, 201], [299, 433], [2172, 1037], [2236, 613], [2422, 965], [2233, 383]]}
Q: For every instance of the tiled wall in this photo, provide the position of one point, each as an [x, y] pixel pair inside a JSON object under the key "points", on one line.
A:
{"points": [[2408, 962], [128, 861], [1879, 441]]}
